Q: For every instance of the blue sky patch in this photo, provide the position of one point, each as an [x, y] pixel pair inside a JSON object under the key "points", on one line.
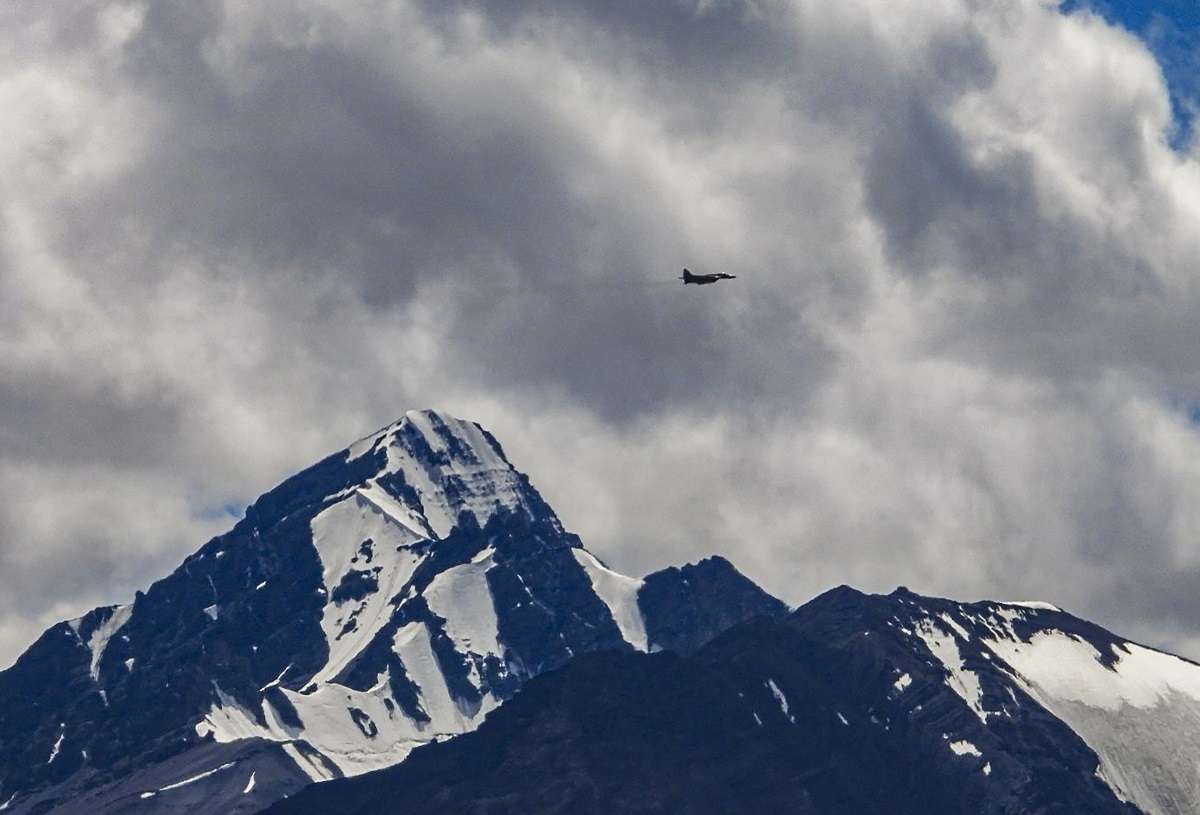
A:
{"points": [[216, 513], [1171, 30]]}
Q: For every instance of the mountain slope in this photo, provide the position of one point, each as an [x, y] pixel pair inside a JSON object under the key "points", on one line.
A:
{"points": [[852, 704], [391, 595]]}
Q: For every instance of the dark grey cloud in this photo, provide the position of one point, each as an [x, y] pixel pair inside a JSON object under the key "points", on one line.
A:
{"points": [[234, 238], [42, 423], [317, 162]]}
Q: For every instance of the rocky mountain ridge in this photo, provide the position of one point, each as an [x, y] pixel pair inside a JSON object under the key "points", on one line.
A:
{"points": [[853, 704]]}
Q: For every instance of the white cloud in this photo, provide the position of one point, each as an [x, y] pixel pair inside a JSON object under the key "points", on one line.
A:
{"points": [[235, 239]]}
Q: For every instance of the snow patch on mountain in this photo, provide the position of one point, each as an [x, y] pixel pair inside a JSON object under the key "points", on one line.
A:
{"points": [[276, 680], [403, 514], [964, 748], [1069, 668], [620, 594], [227, 720], [954, 625], [365, 558], [1038, 605], [336, 720], [98, 641], [311, 767], [461, 596], [62, 732], [1141, 716], [196, 778], [413, 644], [781, 699], [961, 680]]}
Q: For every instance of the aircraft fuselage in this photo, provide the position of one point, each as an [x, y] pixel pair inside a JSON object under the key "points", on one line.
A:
{"points": [[704, 279]]}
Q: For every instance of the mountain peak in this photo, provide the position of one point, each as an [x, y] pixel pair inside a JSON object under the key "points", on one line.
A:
{"points": [[390, 595], [438, 467], [428, 470], [439, 429]]}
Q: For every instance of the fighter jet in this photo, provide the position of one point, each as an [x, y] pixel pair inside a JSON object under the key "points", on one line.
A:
{"points": [[704, 279]]}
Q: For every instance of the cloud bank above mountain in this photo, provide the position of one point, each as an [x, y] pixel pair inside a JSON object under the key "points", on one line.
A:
{"points": [[960, 353]]}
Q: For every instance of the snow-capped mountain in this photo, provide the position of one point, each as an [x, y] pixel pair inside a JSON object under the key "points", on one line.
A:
{"points": [[370, 622], [390, 596], [853, 704]]}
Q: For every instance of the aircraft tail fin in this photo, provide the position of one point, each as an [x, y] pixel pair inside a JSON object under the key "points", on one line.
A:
{"points": [[687, 276]]}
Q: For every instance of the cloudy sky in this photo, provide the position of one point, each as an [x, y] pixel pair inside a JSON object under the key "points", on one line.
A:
{"points": [[962, 353]]}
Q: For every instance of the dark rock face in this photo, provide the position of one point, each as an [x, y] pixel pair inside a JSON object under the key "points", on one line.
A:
{"points": [[686, 607], [804, 714], [223, 773], [393, 593], [129, 698]]}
